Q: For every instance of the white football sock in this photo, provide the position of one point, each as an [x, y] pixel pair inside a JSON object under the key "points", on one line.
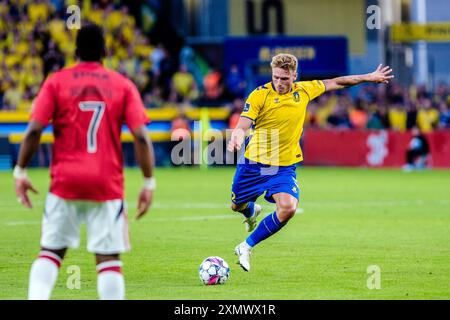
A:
{"points": [[110, 281], [43, 275]]}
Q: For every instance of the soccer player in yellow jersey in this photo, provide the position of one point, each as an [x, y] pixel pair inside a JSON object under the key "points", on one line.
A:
{"points": [[275, 112]]}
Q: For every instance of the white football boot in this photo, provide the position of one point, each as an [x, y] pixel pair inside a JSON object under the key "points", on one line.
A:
{"points": [[243, 252], [251, 223]]}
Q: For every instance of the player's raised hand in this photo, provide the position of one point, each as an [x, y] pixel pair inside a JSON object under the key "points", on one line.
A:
{"points": [[22, 187], [144, 202], [381, 74], [237, 138]]}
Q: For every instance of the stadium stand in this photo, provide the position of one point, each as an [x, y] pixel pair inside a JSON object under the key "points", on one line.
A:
{"points": [[34, 42]]}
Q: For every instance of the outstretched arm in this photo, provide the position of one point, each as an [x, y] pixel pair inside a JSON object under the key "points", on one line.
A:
{"points": [[380, 75]]}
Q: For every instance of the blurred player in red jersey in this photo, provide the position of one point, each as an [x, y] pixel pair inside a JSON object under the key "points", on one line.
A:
{"points": [[87, 105]]}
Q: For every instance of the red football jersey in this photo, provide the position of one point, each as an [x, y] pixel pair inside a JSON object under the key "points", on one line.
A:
{"points": [[88, 104]]}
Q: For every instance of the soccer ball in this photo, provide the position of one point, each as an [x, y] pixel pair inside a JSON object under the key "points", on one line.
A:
{"points": [[214, 270]]}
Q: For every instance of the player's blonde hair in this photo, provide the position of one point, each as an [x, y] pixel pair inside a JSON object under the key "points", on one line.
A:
{"points": [[285, 61]]}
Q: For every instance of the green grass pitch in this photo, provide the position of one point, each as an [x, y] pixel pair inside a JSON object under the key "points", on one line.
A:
{"points": [[349, 219]]}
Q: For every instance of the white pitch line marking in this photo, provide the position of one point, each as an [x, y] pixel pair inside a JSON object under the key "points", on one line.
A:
{"points": [[190, 218], [21, 223], [211, 205], [268, 208]]}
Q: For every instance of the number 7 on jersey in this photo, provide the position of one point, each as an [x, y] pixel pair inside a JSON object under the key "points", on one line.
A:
{"points": [[98, 108]]}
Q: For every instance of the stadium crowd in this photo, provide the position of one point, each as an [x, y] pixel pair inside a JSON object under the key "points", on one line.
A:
{"points": [[34, 42], [393, 107]]}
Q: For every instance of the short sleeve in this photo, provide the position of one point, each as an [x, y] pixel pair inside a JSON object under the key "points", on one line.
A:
{"points": [[135, 115], [252, 105], [313, 88], [44, 104]]}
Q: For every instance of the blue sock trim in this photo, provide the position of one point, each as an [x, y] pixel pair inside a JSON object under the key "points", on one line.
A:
{"points": [[275, 219], [248, 212], [266, 228]]}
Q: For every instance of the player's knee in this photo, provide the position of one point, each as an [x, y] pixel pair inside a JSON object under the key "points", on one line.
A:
{"points": [[237, 207], [286, 212], [104, 258], [59, 252]]}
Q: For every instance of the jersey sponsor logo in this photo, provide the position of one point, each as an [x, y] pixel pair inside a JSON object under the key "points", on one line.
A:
{"points": [[296, 97], [247, 107], [277, 100]]}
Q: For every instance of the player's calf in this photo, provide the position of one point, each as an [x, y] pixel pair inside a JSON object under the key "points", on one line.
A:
{"points": [[44, 272], [250, 210], [110, 281]]}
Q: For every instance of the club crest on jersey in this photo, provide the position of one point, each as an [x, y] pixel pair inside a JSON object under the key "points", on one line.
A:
{"points": [[247, 107], [296, 96]]}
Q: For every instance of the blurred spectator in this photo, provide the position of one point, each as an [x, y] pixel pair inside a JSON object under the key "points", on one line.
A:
{"points": [[184, 87], [181, 128], [381, 95], [311, 116], [235, 82], [39, 10], [130, 63], [378, 119], [427, 116], [53, 59], [340, 117], [59, 5], [167, 70], [411, 116], [212, 86], [153, 99], [24, 104], [395, 94], [326, 104], [422, 92], [235, 113], [156, 56], [444, 119], [358, 116], [397, 117], [417, 153], [12, 96], [442, 92]]}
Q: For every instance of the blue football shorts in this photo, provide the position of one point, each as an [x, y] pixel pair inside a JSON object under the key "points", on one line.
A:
{"points": [[253, 179]]}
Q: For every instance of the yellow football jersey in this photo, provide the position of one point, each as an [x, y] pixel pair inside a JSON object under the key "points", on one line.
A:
{"points": [[278, 122]]}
